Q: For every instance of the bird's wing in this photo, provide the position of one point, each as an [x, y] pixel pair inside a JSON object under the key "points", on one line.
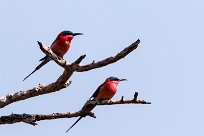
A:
{"points": [[44, 61], [53, 42], [95, 94]]}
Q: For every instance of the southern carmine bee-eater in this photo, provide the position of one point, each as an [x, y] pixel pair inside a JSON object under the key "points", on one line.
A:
{"points": [[104, 92], [60, 47]]}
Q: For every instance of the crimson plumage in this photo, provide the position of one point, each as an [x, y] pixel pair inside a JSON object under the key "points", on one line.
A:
{"points": [[60, 46], [104, 92]]}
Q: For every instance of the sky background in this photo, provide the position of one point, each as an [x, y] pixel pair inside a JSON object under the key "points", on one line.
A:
{"points": [[166, 69]]}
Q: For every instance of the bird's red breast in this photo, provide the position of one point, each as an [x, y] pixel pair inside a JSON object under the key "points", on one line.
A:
{"points": [[61, 45], [107, 90]]}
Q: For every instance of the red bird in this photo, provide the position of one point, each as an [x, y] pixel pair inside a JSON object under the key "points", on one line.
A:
{"points": [[104, 92], [60, 47]]}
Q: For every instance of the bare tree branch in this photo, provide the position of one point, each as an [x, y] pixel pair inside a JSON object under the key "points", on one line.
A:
{"points": [[36, 91], [121, 101], [62, 81], [92, 65], [33, 118], [109, 60]]}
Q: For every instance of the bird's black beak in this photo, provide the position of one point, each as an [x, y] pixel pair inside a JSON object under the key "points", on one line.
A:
{"points": [[122, 79], [74, 34]]}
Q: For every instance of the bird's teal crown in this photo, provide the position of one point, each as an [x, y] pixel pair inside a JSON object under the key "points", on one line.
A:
{"points": [[112, 78], [67, 33], [70, 33]]}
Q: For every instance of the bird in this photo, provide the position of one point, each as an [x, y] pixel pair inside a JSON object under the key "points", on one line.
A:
{"points": [[60, 46], [104, 92]]}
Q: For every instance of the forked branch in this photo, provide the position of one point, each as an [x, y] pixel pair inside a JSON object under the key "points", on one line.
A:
{"points": [[62, 81]]}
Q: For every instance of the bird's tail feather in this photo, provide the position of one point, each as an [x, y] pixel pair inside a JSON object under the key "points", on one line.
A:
{"points": [[86, 108], [44, 60], [74, 124]]}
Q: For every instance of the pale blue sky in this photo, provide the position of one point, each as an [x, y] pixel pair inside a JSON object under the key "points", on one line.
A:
{"points": [[166, 69]]}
